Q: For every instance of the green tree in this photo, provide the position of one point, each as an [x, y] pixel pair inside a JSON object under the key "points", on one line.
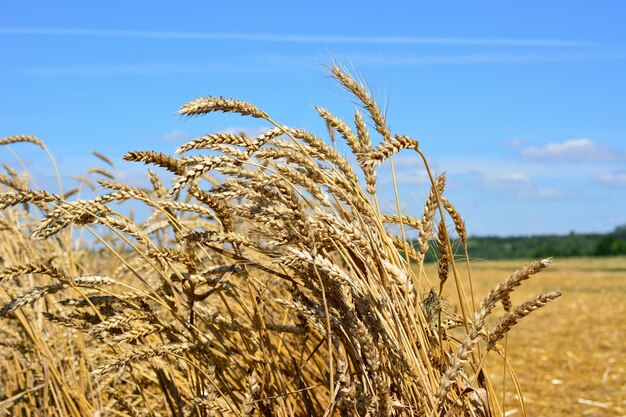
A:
{"points": [[610, 245], [620, 232]]}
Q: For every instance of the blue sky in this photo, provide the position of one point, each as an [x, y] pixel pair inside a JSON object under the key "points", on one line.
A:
{"points": [[522, 105]]}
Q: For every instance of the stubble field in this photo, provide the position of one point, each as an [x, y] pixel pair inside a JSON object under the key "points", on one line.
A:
{"points": [[570, 357]]}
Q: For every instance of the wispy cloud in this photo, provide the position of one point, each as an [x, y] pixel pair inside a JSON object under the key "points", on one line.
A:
{"points": [[248, 131], [179, 136], [407, 60], [409, 171], [514, 143], [406, 178], [519, 186], [575, 150], [542, 193], [176, 136], [292, 38], [154, 68], [295, 62], [509, 181], [613, 179]]}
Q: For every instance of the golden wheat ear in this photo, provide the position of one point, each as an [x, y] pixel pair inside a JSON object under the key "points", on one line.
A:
{"points": [[22, 138], [258, 277]]}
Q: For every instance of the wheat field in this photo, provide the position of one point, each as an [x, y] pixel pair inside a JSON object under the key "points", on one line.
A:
{"points": [[264, 280]]}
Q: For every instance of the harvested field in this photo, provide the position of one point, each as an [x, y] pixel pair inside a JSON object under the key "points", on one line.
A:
{"points": [[569, 358]]}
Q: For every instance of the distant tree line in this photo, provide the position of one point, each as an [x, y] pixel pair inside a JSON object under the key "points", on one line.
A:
{"points": [[541, 246]]}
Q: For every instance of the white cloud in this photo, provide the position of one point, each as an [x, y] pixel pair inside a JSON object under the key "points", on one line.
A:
{"points": [[407, 159], [478, 185], [408, 177], [249, 131], [519, 185], [509, 181], [514, 143], [180, 136], [409, 170], [176, 136], [544, 193], [613, 179], [575, 150]]}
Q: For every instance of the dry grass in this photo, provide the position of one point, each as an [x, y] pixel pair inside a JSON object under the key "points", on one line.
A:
{"points": [[570, 358], [264, 281]]}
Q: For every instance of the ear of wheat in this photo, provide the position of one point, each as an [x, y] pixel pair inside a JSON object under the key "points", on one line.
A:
{"points": [[264, 281]]}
